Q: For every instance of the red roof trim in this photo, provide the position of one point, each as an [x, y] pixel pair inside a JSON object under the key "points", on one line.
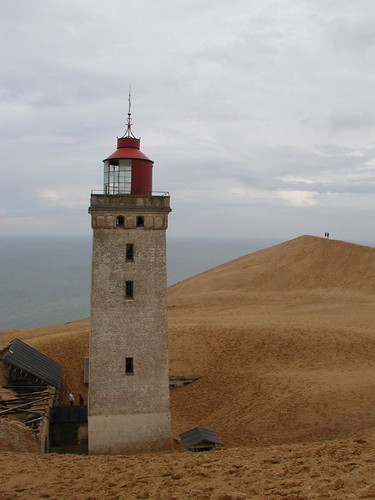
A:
{"points": [[128, 153]]}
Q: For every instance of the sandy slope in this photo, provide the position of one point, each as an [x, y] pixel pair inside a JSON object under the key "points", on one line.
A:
{"points": [[338, 469], [283, 343]]}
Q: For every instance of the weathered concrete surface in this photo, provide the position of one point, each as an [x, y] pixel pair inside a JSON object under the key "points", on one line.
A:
{"points": [[116, 434], [123, 327]]}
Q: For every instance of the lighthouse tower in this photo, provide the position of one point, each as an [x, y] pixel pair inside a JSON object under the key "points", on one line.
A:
{"points": [[128, 384]]}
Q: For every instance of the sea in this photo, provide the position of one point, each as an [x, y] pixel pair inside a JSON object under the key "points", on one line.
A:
{"points": [[45, 280]]}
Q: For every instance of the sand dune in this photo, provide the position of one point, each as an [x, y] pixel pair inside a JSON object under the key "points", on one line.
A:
{"points": [[283, 344]]}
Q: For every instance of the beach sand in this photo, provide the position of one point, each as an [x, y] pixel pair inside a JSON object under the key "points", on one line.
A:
{"points": [[282, 343]]}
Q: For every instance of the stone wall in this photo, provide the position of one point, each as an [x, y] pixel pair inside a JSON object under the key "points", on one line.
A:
{"points": [[129, 411]]}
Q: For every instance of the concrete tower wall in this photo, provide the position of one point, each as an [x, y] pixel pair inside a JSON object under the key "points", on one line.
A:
{"points": [[128, 409]]}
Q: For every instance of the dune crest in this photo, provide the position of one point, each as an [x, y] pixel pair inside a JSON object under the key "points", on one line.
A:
{"points": [[304, 263]]}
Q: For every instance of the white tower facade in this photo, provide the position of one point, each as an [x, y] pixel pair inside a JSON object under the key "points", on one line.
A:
{"points": [[129, 376]]}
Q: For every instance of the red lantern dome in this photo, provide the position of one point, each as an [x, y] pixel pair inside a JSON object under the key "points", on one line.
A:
{"points": [[128, 170]]}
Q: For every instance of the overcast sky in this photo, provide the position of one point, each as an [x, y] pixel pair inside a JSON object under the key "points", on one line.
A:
{"points": [[258, 114]]}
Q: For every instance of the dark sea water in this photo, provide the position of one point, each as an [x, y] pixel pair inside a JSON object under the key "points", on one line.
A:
{"points": [[46, 280]]}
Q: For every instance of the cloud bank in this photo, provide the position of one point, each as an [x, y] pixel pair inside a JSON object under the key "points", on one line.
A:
{"points": [[259, 116]]}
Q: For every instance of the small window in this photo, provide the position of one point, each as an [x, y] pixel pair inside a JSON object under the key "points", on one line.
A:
{"points": [[129, 251], [140, 222], [129, 289], [120, 221], [129, 366]]}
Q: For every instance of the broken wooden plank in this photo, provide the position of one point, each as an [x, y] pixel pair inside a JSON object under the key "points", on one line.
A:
{"points": [[28, 404]]}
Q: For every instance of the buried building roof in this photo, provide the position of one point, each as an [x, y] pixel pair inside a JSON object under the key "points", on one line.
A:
{"points": [[200, 438], [23, 357]]}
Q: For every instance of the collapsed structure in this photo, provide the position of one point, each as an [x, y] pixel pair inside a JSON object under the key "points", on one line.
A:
{"points": [[32, 381]]}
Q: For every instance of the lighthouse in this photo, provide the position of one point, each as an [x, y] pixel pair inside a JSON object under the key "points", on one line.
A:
{"points": [[128, 367]]}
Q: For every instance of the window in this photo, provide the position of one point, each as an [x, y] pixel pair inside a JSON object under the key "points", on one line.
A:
{"points": [[129, 251], [140, 222], [120, 221], [129, 366], [117, 176], [129, 289]]}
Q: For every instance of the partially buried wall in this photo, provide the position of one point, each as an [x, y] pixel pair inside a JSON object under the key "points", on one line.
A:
{"points": [[68, 429]]}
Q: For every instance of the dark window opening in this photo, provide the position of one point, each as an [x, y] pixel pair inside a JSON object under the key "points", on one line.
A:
{"points": [[129, 366], [140, 222], [129, 251], [129, 289], [120, 221]]}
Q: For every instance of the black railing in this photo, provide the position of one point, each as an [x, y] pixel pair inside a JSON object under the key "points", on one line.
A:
{"points": [[105, 193]]}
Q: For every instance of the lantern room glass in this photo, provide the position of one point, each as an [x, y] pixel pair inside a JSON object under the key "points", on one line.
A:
{"points": [[117, 176]]}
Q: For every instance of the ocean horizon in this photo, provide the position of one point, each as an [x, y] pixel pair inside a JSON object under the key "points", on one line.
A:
{"points": [[45, 280]]}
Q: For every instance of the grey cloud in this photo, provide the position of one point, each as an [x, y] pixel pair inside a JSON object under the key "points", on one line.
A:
{"points": [[328, 170], [341, 121], [356, 34], [239, 105]]}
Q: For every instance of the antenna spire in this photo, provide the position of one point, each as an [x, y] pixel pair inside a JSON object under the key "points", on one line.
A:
{"points": [[129, 132]]}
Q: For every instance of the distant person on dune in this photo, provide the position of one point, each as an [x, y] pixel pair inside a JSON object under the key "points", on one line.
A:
{"points": [[80, 397]]}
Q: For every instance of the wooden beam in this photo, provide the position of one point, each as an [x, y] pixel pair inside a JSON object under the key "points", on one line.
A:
{"points": [[27, 422], [23, 410], [29, 403]]}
